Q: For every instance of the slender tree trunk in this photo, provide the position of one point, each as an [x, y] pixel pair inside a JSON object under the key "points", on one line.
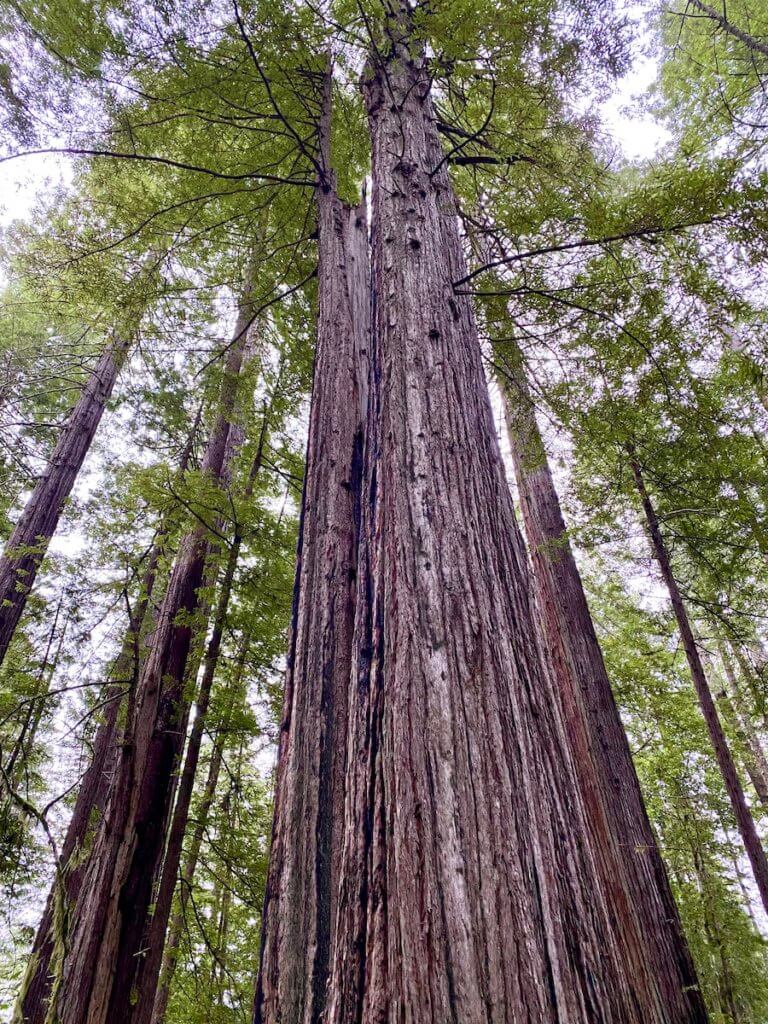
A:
{"points": [[24, 741], [173, 937], [752, 678], [29, 541], [300, 902], [748, 762], [110, 918], [757, 763], [712, 928], [148, 972], [32, 1005], [629, 857], [224, 881], [468, 890], [733, 786]]}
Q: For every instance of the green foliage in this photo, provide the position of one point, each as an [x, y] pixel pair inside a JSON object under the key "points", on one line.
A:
{"points": [[634, 292]]}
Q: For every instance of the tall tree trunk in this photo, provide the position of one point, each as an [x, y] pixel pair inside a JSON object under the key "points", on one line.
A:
{"points": [[468, 891], [110, 918], [173, 936], [29, 541], [148, 971], [733, 786], [224, 880], [32, 1005], [22, 747], [712, 928], [300, 902], [629, 857], [753, 679]]}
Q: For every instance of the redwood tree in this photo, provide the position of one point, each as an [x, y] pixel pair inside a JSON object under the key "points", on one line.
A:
{"points": [[93, 791], [95, 981], [37, 524], [734, 788], [468, 888], [148, 968], [629, 858], [308, 832]]}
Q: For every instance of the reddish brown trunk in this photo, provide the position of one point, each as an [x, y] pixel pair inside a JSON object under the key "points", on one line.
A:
{"points": [[468, 889], [628, 856], [94, 787], [29, 541], [148, 971], [110, 918], [89, 808], [733, 786], [300, 904], [175, 926]]}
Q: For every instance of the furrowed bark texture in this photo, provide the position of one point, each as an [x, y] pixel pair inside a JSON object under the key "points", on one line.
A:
{"points": [[300, 903], [29, 541], [148, 968], [741, 811], [110, 919], [468, 889], [627, 854]]}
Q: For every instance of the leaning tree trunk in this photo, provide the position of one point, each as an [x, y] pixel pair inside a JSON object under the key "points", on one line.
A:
{"points": [[741, 811], [300, 902], [148, 969], [92, 795], [37, 524], [32, 1007], [176, 923], [468, 888], [754, 754], [629, 856], [109, 921]]}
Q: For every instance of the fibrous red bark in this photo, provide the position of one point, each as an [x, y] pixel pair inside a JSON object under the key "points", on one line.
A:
{"points": [[627, 855], [300, 905], [469, 890], [37, 524]]}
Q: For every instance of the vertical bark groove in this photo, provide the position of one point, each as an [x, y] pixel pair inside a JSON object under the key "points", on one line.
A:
{"points": [[300, 903], [468, 887]]}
